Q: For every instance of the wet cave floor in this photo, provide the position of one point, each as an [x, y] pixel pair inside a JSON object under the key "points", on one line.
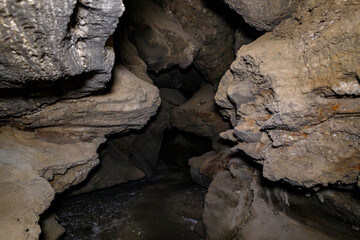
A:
{"points": [[166, 206]]}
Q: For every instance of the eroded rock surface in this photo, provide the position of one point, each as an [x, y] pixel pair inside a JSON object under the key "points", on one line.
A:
{"points": [[63, 148], [159, 37], [293, 96], [128, 104], [54, 50], [264, 15], [134, 155], [207, 24], [199, 115], [239, 201], [183, 33]]}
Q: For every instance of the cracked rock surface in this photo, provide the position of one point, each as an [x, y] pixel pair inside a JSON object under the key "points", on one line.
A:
{"points": [[54, 49], [264, 15], [62, 148], [293, 96]]}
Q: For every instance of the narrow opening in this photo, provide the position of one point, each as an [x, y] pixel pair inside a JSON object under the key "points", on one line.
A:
{"points": [[144, 186]]}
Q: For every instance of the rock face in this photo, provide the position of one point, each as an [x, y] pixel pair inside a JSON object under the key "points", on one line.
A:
{"points": [[130, 100], [51, 50], [134, 155], [207, 24], [199, 115], [62, 150], [159, 37], [34, 168], [183, 33], [293, 96], [264, 15], [48, 41], [238, 202]]}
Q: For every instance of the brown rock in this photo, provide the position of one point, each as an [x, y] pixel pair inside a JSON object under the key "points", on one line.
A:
{"points": [[199, 115], [50, 228], [159, 37], [293, 96]]}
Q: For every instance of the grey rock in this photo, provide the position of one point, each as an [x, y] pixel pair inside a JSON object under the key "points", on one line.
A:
{"points": [[159, 37], [201, 19], [53, 50], [44, 42], [264, 15]]}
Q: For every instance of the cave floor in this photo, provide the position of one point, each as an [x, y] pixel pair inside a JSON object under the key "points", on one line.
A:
{"points": [[168, 206]]}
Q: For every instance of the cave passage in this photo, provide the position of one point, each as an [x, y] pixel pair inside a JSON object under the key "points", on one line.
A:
{"points": [[142, 187], [165, 205]]}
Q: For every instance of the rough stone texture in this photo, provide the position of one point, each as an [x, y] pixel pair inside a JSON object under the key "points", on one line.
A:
{"points": [[53, 50], [227, 206], [264, 15], [199, 115], [206, 22], [62, 149], [134, 155], [128, 104], [27, 162], [159, 37], [293, 96], [182, 32], [47, 41], [239, 201], [50, 228]]}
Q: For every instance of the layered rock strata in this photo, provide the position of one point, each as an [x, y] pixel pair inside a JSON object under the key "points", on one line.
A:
{"points": [[62, 149], [53, 50]]}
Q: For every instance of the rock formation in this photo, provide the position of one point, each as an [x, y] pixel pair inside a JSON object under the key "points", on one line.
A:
{"points": [[293, 96], [239, 201], [182, 32], [62, 149], [51, 50], [264, 15], [199, 115]]}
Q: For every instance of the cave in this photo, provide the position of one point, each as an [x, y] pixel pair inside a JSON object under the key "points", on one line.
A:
{"points": [[180, 119]]}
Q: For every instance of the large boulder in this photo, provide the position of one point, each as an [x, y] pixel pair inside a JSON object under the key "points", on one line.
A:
{"points": [[159, 37], [293, 96], [199, 115], [207, 22], [183, 33], [239, 201], [264, 15], [128, 104]]}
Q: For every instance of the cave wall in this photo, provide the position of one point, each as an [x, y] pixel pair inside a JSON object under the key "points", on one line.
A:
{"points": [[291, 96], [55, 59]]}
